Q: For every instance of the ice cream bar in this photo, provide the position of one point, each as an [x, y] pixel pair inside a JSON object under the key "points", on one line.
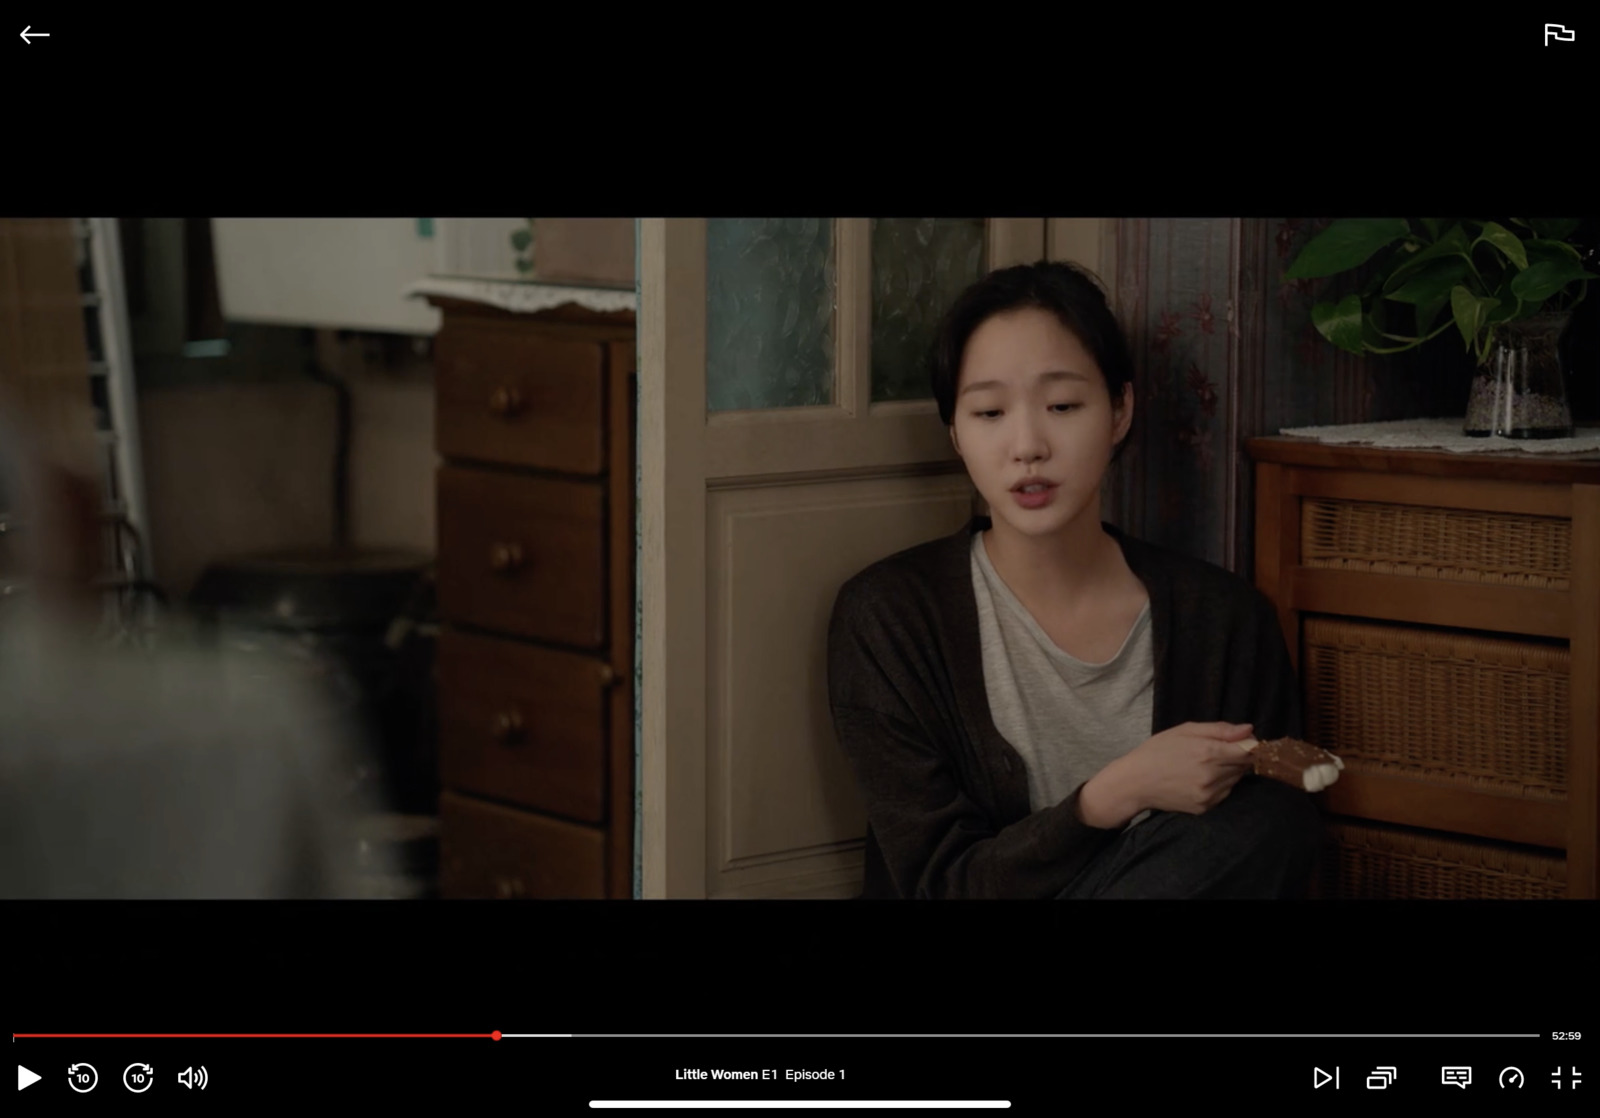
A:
{"points": [[1295, 762]]}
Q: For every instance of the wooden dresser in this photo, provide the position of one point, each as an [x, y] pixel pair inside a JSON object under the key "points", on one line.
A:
{"points": [[1444, 614], [534, 425]]}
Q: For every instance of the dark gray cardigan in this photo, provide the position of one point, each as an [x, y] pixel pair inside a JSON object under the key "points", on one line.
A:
{"points": [[947, 796]]}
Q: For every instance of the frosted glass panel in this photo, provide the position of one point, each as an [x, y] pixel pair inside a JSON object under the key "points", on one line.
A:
{"points": [[770, 299], [919, 266]]}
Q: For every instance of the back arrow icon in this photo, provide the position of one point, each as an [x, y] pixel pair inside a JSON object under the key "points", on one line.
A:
{"points": [[28, 34]]}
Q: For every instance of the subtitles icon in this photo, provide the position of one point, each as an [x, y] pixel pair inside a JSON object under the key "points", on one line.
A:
{"points": [[1380, 1079], [1460, 1077], [1559, 34]]}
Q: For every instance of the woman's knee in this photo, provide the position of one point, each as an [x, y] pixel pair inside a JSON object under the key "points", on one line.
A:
{"points": [[1279, 814]]}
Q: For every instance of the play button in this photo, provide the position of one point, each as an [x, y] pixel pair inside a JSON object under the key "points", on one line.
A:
{"points": [[1320, 1078], [25, 1078]]}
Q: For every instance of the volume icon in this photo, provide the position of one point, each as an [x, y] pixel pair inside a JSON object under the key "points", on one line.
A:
{"points": [[192, 1078]]}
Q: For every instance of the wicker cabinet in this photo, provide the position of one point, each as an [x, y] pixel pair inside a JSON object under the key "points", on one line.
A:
{"points": [[534, 427], [1444, 615]]}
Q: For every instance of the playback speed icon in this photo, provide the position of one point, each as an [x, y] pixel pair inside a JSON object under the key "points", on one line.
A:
{"points": [[193, 1078]]}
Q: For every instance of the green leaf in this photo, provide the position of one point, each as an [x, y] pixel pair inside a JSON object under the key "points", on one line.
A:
{"points": [[1433, 281], [1543, 249], [1428, 313], [1454, 243], [1429, 289], [1431, 226], [1509, 306], [521, 239], [1347, 243], [1509, 244], [1555, 228], [1545, 278], [1341, 324], [1485, 345], [1470, 311]]}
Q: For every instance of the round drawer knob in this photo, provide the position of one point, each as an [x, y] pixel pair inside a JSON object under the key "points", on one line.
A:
{"points": [[608, 675], [505, 402], [505, 557], [508, 726]]}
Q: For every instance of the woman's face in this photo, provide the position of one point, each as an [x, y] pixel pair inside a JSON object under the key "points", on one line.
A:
{"points": [[1034, 422]]}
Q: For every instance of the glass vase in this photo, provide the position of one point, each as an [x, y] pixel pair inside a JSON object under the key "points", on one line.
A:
{"points": [[1521, 392]]}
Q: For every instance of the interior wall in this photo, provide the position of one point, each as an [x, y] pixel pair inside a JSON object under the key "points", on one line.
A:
{"points": [[233, 468]]}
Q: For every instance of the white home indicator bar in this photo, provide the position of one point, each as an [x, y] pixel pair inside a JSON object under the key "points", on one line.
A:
{"points": [[800, 1104]]}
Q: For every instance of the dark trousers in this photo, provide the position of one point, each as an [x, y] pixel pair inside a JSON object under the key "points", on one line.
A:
{"points": [[1260, 842]]}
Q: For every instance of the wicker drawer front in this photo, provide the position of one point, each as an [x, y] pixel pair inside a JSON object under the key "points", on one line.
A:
{"points": [[1488, 711], [523, 555], [523, 724], [520, 399], [1503, 549], [1368, 862]]}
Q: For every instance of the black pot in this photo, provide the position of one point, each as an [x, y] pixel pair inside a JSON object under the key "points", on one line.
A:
{"points": [[355, 621]]}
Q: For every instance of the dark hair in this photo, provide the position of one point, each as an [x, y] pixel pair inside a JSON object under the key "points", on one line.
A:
{"points": [[1070, 293]]}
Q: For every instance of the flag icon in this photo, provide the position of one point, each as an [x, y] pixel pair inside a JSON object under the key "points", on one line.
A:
{"points": [[1559, 33]]}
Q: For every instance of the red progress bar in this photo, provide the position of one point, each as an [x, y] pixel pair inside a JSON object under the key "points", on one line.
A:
{"points": [[257, 1036]]}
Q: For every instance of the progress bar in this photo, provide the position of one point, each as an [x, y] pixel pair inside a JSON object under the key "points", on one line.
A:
{"points": [[778, 1036], [1051, 1036]]}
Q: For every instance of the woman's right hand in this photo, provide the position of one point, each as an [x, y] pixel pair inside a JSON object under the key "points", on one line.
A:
{"points": [[1190, 768]]}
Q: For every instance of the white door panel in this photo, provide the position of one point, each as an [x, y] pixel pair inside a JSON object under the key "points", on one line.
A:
{"points": [[776, 556]]}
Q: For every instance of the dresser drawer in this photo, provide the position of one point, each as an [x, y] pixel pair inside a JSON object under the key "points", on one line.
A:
{"points": [[1454, 545], [523, 724], [489, 851], [1488, 712], [523, 555], [509, 396], [1368, 861]]}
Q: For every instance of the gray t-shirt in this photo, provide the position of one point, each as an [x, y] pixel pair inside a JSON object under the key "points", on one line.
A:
{"points": [[1067, 718]]}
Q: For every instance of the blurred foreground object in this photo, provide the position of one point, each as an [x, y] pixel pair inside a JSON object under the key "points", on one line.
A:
{"points": [[169, 772], [178, 773]]}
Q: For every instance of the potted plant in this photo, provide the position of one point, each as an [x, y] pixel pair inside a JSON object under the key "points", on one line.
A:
{"points": [[1508, 286]]}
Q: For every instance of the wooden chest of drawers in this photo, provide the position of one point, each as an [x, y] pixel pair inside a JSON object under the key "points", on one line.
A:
{"points": [[1444, 615], [535, 427]]}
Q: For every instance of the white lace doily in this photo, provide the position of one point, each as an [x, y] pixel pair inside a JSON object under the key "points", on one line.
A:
{"points": [[525, 298], [1445, 434]]}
